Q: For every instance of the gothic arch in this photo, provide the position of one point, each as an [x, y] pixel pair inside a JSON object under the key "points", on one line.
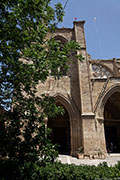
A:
{"points": [[111, 113], [61, 125], [113, 89], [62, 41], [60, 38], [65, 102], [108, 124]]}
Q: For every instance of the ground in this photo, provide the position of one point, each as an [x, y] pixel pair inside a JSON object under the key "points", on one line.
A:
{"points": [[111, 160]]}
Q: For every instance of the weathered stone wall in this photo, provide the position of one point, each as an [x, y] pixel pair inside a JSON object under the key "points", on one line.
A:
{"points": [[101, 86], [83, 93]]}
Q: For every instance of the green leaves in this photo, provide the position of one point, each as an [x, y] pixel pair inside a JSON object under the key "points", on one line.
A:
{"points": [[27, 57], [59, 12]]}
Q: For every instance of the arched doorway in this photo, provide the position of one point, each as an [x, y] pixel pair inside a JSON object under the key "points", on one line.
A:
{"points": [[60, 126], [112, 123]]}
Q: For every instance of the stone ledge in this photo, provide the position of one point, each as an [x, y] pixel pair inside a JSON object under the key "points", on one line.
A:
{"points": [[88, 115]]}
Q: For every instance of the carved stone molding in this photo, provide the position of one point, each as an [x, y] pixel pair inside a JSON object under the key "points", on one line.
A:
{"points": [[88, 115]]}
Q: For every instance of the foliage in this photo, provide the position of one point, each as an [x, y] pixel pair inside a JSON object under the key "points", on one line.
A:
{"points": [[27, 57], [55, 171], [82, 172]]}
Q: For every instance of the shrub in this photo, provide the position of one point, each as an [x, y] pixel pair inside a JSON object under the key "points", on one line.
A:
{"points": [[57, 171]]}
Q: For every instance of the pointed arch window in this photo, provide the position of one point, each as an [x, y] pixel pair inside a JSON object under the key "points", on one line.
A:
{"points": [[100, 71], [63, 69]]}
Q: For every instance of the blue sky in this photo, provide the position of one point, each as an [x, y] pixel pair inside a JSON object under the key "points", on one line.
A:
{"points": [[102, 36]]}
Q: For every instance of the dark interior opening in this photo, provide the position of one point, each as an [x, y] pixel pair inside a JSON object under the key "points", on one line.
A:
{"points": [[112, 123], [60, 127]]}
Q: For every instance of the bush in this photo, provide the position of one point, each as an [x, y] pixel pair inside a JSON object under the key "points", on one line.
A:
{"points": [[57, 171]]}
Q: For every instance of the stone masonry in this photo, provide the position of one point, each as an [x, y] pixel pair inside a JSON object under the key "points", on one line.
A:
{"points": [[87, 92]]}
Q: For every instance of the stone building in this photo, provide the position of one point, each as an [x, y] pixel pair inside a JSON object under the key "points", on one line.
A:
{"points": [[90, 96]]}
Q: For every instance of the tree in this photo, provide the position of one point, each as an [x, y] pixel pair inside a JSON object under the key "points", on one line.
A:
{"points": [[26, 58]]}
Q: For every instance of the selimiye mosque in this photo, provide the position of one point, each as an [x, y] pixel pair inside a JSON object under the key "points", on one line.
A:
{"points": [[90, 96]]}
